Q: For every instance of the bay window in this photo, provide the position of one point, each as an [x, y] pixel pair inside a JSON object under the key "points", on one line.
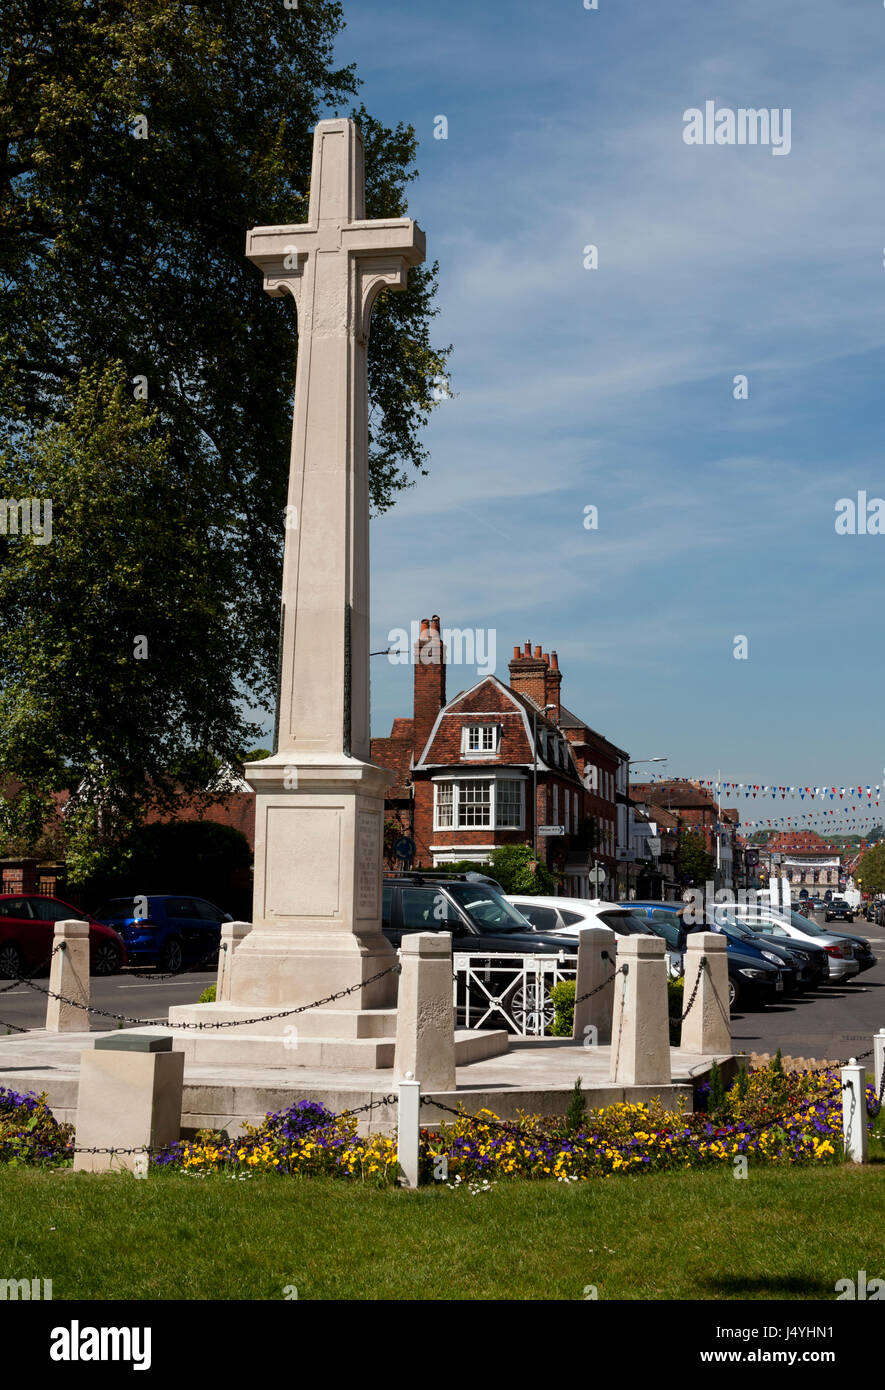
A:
{"points": [[467, 803]]}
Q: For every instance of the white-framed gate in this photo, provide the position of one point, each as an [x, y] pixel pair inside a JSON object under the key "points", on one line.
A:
{"points": [[508, 991]]}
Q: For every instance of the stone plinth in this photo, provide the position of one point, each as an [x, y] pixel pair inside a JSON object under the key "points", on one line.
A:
{"points": [[319, 828], [707, 1028], [232, 934], [69, 976], [425, 1029], [596, 963], [129, 1098], [640, 1051]]}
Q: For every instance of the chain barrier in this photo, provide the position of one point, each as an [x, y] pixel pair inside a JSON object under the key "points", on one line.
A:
{"points": [[621, 970], [510, 1126], [224, 1023], [309, 1129], [694, 993], [26, 979], [174, 974]]}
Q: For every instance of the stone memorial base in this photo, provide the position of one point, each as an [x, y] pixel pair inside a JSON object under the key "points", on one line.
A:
{"points": [[319, 830]]}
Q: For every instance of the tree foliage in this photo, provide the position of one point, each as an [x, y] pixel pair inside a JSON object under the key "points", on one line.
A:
{"points": [[146, 380], [871, 870], [695, 863]]}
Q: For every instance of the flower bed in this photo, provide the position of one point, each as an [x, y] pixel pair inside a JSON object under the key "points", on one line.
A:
{"points": [[29, 1132], [766, 1117]]}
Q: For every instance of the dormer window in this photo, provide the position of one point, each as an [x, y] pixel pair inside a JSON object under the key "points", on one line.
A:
{"points": [[480, 740]]}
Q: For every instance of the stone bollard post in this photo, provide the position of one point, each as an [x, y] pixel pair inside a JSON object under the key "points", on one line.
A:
{"points": [[129, 1098], [69, 975], [854, 1112], [425, 1019], [408, 1133], [232, 933], [707, 1029], [640, 1050], [597, 961]]}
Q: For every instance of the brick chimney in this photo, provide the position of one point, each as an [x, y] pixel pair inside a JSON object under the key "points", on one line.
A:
{"points": [[528, 674], [430, 681], [553, 683]]}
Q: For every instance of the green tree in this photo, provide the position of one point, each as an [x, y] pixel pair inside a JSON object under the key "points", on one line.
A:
{"points": [[517, 871], [871, 869], [146, 380], [695, 863]]}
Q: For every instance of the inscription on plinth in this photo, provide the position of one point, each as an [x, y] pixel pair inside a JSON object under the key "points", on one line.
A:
{"points": [[368, 859]]}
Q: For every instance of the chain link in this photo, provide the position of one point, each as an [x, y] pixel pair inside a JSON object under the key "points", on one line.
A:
{"points": [[26, 979], [224, 1023], [694, 993], [621, 970]]}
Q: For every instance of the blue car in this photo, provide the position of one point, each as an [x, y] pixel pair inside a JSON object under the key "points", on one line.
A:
{"points": [[166, 930], [755, 974]]}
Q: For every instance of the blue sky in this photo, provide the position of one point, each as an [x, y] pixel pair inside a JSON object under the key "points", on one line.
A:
{"points": [[614, 387]]}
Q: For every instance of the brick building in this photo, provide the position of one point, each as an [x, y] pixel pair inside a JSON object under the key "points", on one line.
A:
{"points": [[696, 810], [484, 768]]}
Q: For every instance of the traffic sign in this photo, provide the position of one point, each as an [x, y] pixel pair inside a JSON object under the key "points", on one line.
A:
{"points": [[404, 848], [551, 829], [597, 876]]}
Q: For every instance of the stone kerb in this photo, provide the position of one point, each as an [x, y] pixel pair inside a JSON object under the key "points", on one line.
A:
{"points": [[69, 976], [707, 1027], [640, 1050], [597, 962], [425, 1020]]}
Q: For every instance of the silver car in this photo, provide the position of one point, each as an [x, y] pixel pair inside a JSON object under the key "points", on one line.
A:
{"points": [[793, 926], [567, 916]]}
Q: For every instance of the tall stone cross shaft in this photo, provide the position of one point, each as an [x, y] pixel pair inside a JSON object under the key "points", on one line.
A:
{"points": [[319, 800], [333, 267]]}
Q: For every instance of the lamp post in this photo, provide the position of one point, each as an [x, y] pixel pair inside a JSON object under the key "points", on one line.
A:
{"points": [[634, 762], [535, 779]]}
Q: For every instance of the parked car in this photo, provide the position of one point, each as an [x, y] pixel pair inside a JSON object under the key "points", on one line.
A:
{"points": [[803, 908], [839, 910], [166, 930], [482, 923], [791, 927], [807, 966], [869, 912], [756, 976], [567, 916], [27, 928]]}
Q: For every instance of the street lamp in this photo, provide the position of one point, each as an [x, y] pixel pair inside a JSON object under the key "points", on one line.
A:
{"points": [[535, 778]]}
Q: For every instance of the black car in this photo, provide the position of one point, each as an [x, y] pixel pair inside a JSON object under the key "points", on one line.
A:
{"points": [[839, 911], [483, 925], [808, 966]]}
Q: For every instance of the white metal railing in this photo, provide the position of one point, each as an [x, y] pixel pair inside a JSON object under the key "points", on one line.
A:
{"points": [[511, 991]]}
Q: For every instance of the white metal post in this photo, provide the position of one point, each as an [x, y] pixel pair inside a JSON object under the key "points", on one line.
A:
{"points": [[854, 1112], [878, 1058], [407, 1132]]}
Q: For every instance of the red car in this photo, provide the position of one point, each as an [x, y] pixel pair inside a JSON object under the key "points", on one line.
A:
{"points": [[27, 927]]}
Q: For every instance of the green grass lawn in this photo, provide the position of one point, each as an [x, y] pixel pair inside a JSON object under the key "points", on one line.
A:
{"points": [[784, 1234]]}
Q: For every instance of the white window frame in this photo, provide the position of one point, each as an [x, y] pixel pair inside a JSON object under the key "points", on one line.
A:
{"points": [[481, 729], [555, 804], [455, 782]]}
